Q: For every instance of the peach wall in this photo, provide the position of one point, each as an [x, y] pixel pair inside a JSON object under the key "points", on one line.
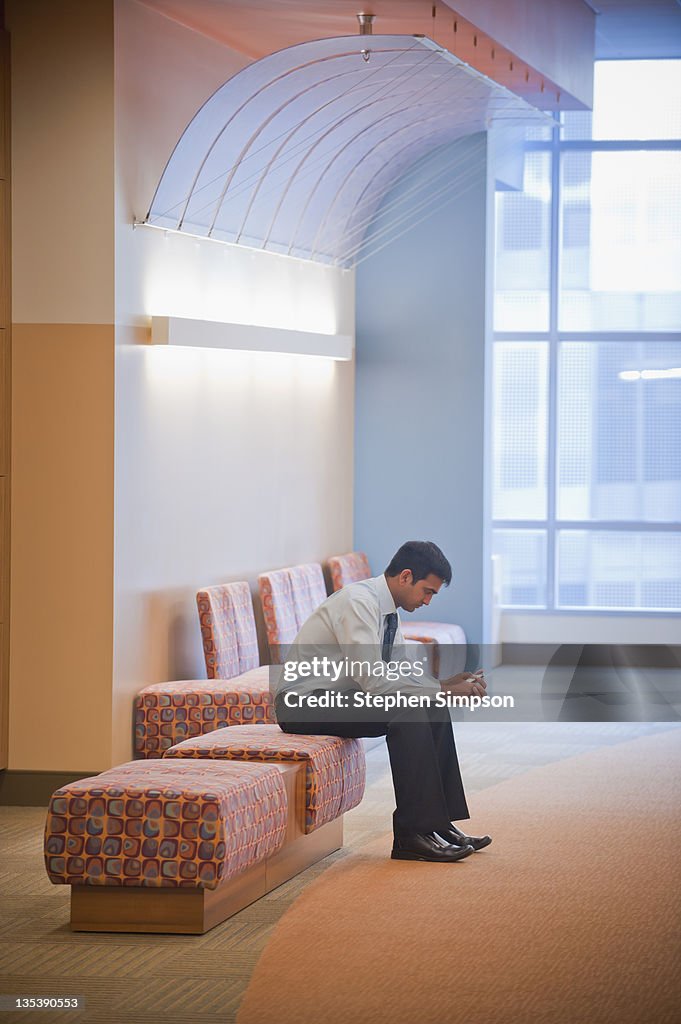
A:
{"points": [[62, 385], [227, 463], [62, 547]]}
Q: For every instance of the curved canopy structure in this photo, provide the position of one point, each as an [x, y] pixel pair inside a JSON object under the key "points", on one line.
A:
{"points": [[294, 153]]}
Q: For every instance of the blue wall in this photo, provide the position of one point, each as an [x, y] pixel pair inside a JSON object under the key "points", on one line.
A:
{"points": [[419, 447]]}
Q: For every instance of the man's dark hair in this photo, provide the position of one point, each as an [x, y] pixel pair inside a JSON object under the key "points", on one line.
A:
{"points": [[423, 558]]}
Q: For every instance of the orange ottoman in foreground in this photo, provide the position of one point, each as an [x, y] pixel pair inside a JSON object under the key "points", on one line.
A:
{"points": [[334, 768], [166, 846]]}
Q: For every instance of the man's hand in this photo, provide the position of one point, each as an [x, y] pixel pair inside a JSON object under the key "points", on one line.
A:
{"points": [[465, 684]]}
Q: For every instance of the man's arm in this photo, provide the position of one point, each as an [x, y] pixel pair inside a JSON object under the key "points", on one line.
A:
{"points": [[463, 684], [358, 632]]}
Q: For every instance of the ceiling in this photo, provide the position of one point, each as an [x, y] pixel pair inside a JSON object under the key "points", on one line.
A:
{"points": [[624, 28], [632, 28], [295, 153], [263, 27]]}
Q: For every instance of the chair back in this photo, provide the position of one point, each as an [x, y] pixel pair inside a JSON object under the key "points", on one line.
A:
{"points": [[230, 643], [289, 596], [349, 568]]}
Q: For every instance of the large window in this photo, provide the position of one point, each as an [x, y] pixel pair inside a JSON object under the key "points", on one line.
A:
{"points": [[587, 355]]}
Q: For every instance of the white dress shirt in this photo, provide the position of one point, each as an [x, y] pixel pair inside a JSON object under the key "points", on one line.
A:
{"points": [[350, 625]]}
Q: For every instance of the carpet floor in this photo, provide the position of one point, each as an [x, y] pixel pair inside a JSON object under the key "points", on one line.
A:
{"points": [[573, 914], [173, 979]]}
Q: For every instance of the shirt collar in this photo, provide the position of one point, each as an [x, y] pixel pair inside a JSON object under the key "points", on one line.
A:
{"points": [[386, 603]]}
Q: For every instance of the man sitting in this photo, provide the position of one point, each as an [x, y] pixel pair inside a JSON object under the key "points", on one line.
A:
{"points": [[351, 641]]}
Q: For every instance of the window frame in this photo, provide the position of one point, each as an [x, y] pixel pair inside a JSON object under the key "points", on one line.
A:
{"points": [[556, 147]]}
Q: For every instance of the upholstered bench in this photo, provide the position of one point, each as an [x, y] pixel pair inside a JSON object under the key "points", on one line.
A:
{"points": [[334, 768], [236, 690], [166, 713], [181, 843], [168, 845]]}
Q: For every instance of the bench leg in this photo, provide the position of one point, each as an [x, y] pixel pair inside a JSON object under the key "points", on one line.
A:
{"points": [[105, 908]]}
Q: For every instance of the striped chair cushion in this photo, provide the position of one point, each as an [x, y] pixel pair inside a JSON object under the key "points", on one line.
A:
{"points": [[308, 588], [349, 568], [165, 823], [335, 774], [166, 713], [278, 610], [230, 644], [289, 596]]}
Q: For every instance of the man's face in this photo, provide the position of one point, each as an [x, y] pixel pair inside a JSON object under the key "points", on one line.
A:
{"points": [[415, 595]]}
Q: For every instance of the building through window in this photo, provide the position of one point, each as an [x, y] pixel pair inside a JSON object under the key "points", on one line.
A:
{"points": [[587, 354]]}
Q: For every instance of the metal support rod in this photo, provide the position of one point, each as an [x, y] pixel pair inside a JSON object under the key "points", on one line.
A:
{"points": [[366, 23]]}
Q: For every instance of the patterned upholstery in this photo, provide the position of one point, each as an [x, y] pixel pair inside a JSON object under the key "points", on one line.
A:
{"points": [[165, 823], [289, 596], [230, 644], [335, 774], [277, 607], [349, 568], [309, 590], [166, 713]]}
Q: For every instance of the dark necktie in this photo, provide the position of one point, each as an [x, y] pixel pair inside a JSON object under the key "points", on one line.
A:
{"points": [[389, 635]]}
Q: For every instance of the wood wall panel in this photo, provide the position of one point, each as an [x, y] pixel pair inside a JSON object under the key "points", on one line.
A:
{"points": [[5, 261], [4, 100], [62, 547], [5, 397], [5, 387], [4, 550]]}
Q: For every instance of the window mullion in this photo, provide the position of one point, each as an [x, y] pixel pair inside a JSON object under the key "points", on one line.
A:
{"points": [[554, 265]]}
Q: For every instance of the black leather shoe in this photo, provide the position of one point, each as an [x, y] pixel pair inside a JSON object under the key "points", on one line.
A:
{"points": [[428, 846], [455, 835]]}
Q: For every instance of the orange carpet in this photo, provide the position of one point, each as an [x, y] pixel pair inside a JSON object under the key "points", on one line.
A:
{"points": [[573, 914]]}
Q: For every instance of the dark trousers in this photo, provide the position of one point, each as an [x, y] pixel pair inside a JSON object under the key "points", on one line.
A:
{"points": [[425, 769]]}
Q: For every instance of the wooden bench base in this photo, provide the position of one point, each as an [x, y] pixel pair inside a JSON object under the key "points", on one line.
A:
{"points": [[103, 908]]}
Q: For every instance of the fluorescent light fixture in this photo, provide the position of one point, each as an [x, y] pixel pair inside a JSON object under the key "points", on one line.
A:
{"points": [[673, 373], [176, 330]]}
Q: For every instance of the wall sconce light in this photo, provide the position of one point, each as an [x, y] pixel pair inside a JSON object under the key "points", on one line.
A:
{"points": [[176, 330]]}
